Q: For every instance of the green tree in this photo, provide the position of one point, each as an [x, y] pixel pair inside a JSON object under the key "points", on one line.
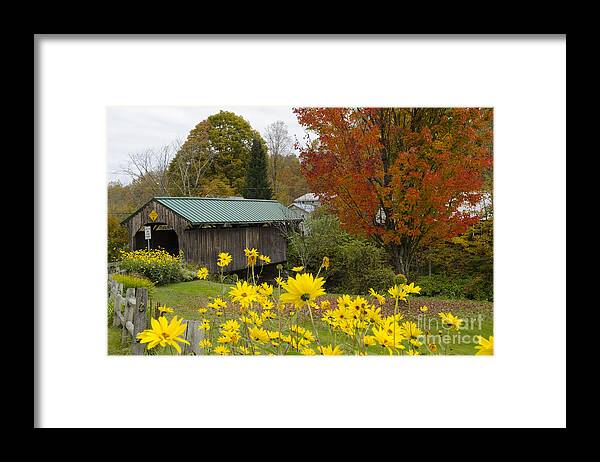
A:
{"points": [[121, 204], [290, 181], [118, 238], [121, 200], [462, 266], [218, 147], [257, 181]]}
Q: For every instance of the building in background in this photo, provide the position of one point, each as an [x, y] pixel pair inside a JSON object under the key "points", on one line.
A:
{"points": [[305, 205]]}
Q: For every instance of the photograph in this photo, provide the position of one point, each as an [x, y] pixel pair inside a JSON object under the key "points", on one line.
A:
{"points": [[314, 231]]}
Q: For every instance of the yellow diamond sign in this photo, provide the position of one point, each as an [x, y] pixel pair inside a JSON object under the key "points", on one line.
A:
{"points": [[153, 215]]}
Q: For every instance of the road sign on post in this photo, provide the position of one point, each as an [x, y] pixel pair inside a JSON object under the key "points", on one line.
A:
{"points": [[148, 235]]}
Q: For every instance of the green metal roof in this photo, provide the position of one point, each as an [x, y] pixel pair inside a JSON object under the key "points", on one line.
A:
{"points": [[203, 210]]}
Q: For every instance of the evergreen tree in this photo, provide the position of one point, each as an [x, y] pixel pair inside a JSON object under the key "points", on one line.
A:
{"points": [[257, 182]]}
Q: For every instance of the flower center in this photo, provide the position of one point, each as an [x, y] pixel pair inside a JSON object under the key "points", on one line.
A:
{"points": [[305, 297]]}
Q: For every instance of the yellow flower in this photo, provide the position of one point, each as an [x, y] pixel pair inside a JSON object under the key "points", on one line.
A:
{"points": [[265, 303], [206, 343], [243, 293], [205, 325], [325, 305], [264, 258], [359, 304], [202, 273], [221, 350], [369, 340], [268, 314], [412, 352], [246, 319], [373, 315], [450, 321], [302, 289], [397, 292], [265, 289], [274, 335], [385, 337], [164, 333], [251, 255], [297, 269], [229, 336], [410, 331], [380, 298], [258, 334], [325, 263], [165, 309], [433, 347], [231, 325], [224, 259], [485, 347], [279, 280], [423, 309], [308, 352], [202, 310], [411, 288], [344, 301], [217, 303], [305, 333], [330, 350], [244, 350]]}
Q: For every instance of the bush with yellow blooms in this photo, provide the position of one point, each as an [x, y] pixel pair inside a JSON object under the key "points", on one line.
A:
{"points": [[158, 265]]}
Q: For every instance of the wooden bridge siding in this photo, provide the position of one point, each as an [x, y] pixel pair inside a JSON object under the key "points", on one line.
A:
{"points": [[202, 245], [165, 215]]}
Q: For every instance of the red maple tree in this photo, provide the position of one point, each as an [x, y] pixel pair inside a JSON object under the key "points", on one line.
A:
{"points": [[402, 176]]}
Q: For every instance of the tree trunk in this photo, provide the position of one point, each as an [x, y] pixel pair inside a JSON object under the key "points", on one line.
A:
{"points": [[274, 174], [400, 257]]}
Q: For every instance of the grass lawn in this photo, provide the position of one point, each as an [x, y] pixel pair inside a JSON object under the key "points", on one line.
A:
{"points": [[114, 342], [186, 297]]}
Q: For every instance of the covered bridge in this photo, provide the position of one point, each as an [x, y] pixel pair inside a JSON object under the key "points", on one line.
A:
{"points": [[204, 226]]}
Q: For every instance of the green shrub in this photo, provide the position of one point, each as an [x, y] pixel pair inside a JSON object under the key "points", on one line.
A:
{"points": [[466, 263], [479, 287], [470, 287], [400, 279], [134, 281], [229, 279], [157, 265], [188, 274], [356, 264]]}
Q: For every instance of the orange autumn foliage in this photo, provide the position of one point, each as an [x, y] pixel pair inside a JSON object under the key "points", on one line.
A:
{"points": [[399, 175]]}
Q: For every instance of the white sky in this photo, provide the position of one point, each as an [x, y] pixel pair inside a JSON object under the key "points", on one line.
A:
{"points": [[132, 129]]}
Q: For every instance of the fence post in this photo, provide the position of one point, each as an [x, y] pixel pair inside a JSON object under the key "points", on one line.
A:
{"points": [[116, 307], [192, 335], [128, 315], [118, 310], [119, 295], [140, 321], [114, 293]]}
